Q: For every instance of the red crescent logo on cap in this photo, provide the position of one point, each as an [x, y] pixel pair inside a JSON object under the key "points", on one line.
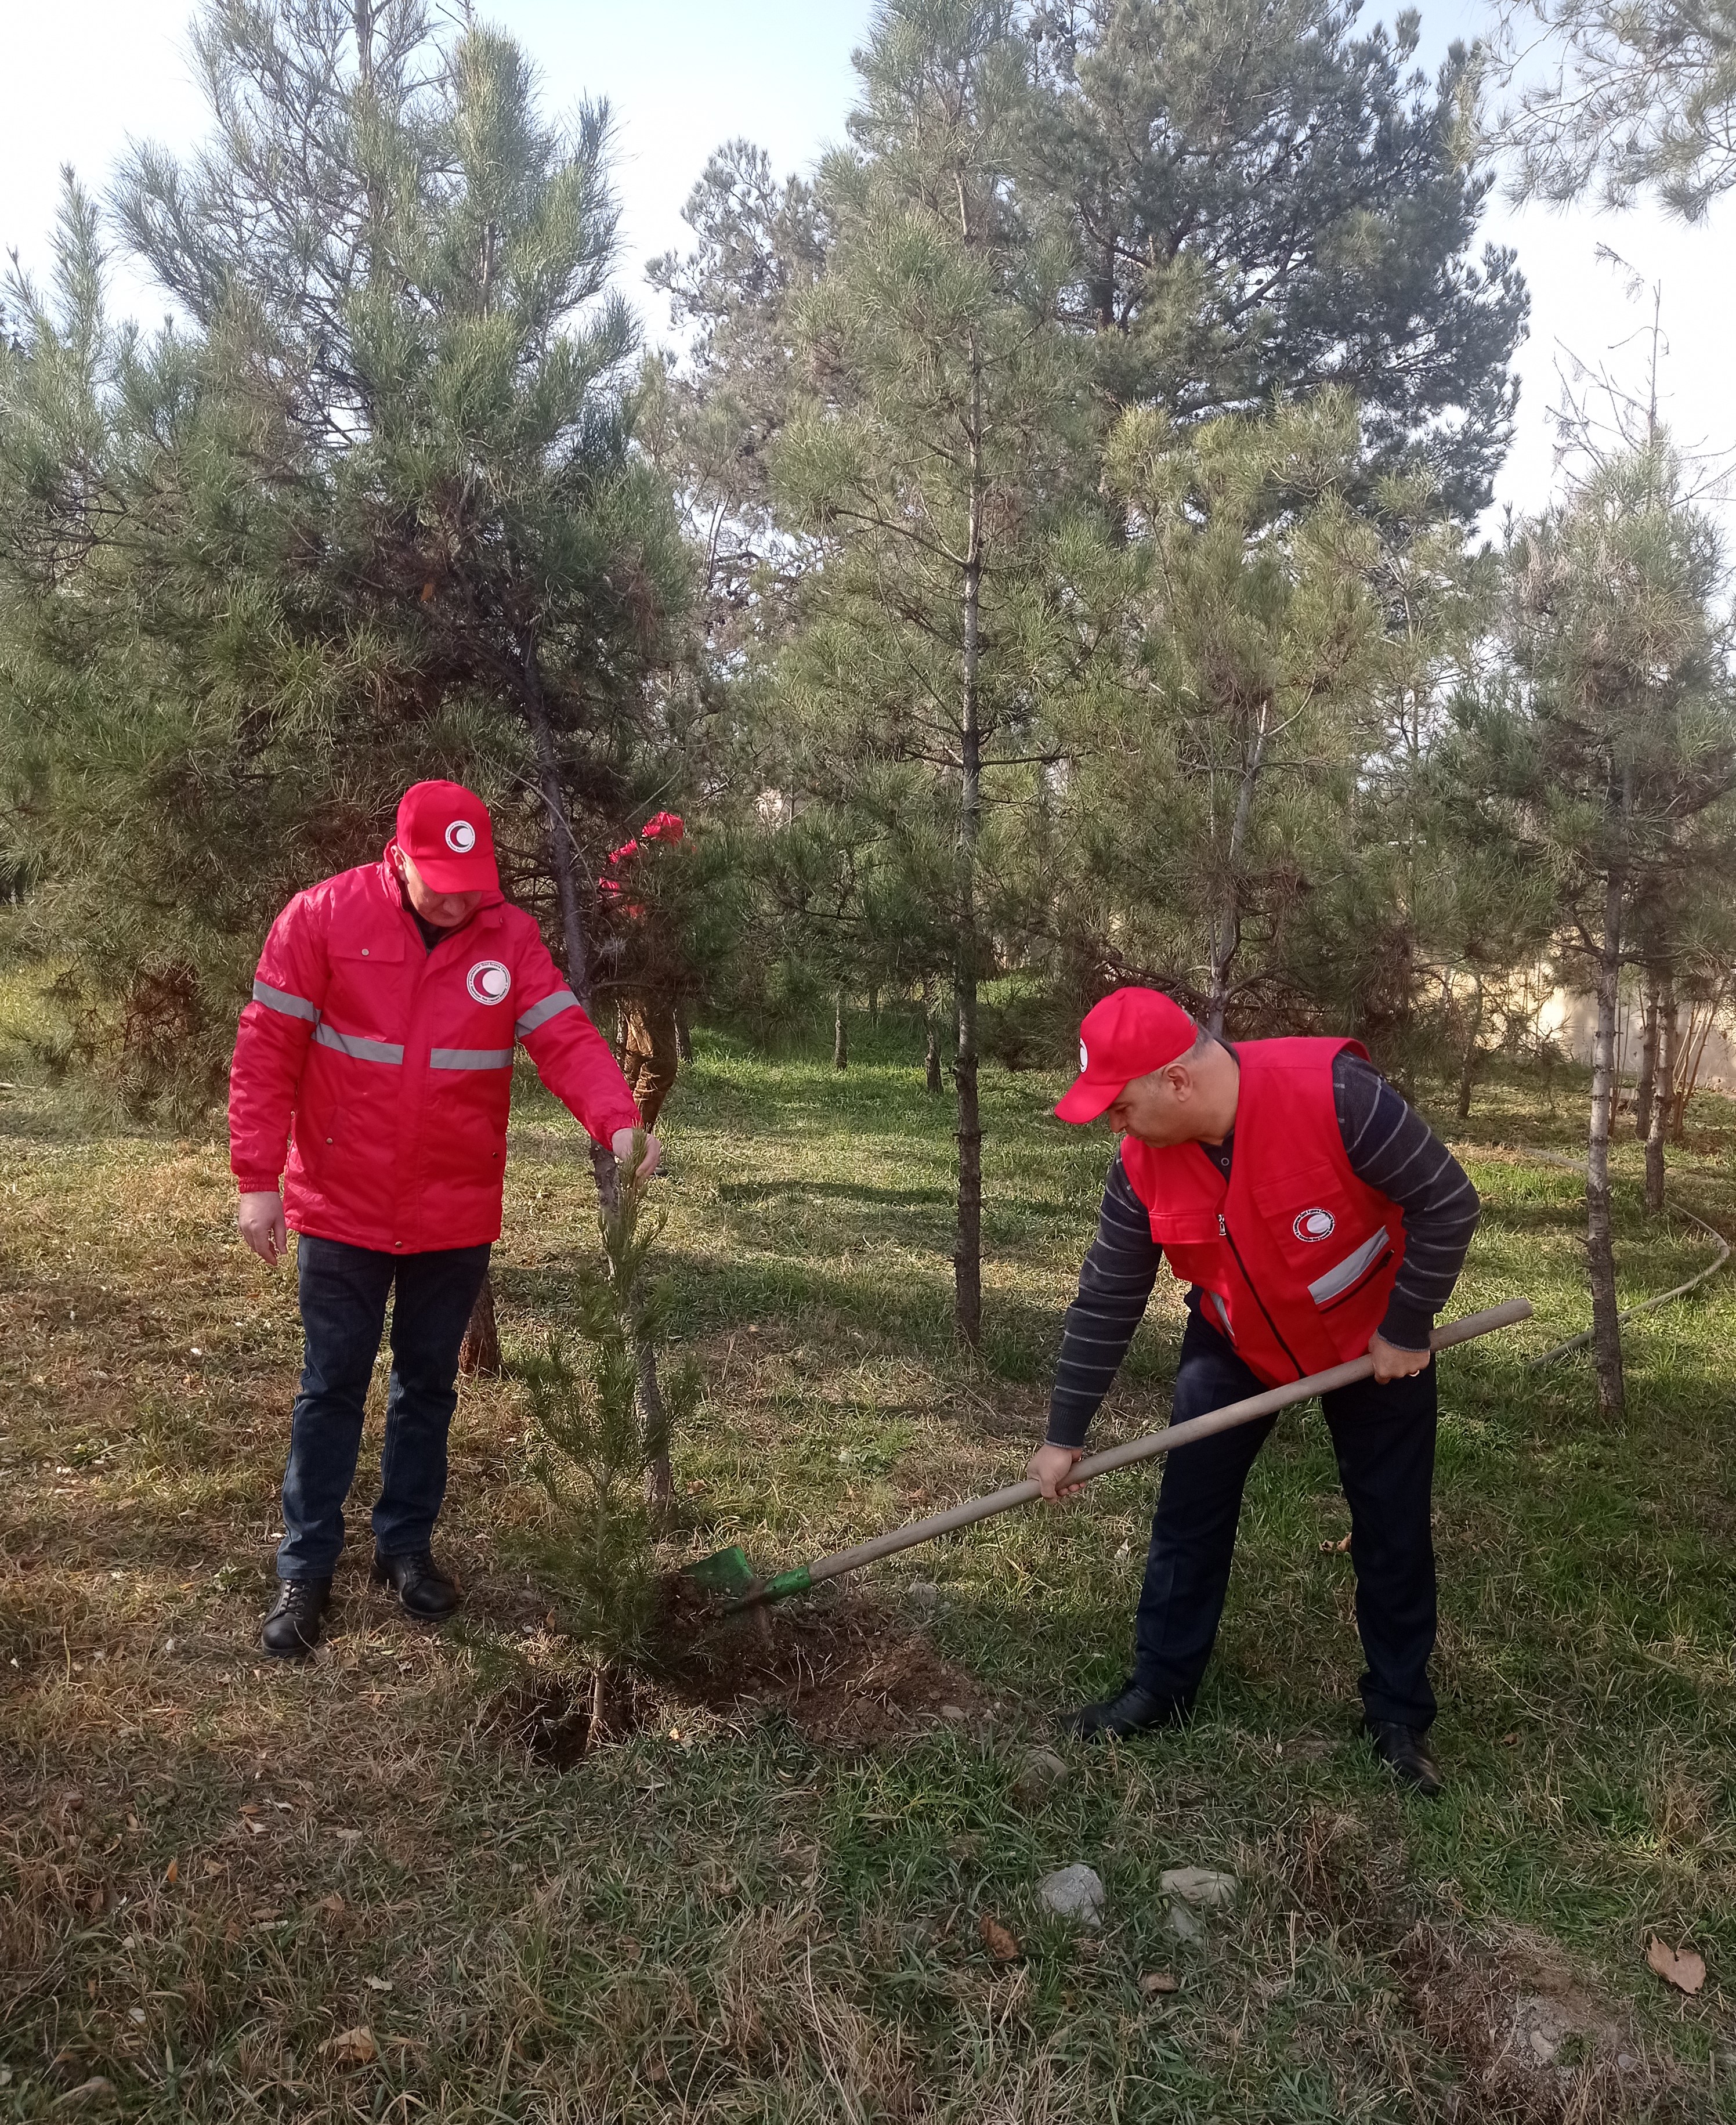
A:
{"points": [[1084, 1060], [1315, 1225], [461, 837]]}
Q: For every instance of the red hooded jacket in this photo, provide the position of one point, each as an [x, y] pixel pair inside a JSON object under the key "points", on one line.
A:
{"points": [[393, 1064], [1296, 1256]]}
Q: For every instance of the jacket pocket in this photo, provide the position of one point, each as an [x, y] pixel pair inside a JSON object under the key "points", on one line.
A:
{"points": [[1326, 1239]]}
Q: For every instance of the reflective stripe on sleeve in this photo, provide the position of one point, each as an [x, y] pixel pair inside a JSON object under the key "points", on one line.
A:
{"points": [[470, 1058], [540, 1014], [353, 1044], [291, 1007], [1339, 1279]]}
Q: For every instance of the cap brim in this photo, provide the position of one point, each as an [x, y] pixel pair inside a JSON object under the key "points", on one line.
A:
{"points": [[474, 874], [1085, 1099]]}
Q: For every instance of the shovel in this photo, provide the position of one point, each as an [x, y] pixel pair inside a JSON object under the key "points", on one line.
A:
{"points": [[728, 1577]]}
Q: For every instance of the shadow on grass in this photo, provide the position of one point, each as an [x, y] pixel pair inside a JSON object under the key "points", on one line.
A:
{"points": [[764, 1191]]}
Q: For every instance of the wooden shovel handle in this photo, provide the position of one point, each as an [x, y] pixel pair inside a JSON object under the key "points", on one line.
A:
{"points": [[1464, 1330]]}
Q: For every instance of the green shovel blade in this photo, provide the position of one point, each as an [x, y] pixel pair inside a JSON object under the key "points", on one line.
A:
{"points": [[727, 1574]]}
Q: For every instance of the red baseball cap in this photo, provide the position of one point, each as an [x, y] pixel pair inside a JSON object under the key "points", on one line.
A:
{"points": [[445, 831], [1129, 1034]]}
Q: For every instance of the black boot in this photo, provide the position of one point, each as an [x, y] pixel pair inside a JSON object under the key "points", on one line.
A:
{"points": [[1404, 1752], [1135, 1710], [424, 1590], [291, 1630]]}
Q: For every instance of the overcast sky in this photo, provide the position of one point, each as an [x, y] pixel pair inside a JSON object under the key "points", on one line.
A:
{"points": [[682, 75]]}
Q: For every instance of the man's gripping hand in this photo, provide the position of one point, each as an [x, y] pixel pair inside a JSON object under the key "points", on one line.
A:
{"points": [[1392, 1362], [1050, 1466], [621, 1144], [261, 1218]]}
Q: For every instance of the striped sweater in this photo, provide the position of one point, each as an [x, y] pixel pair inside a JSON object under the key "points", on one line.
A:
{"points": [[1390, 1148]]}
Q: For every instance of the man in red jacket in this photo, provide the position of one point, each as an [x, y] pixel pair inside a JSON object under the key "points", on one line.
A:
{"points": [[1313, 1216], [386, 1009]]}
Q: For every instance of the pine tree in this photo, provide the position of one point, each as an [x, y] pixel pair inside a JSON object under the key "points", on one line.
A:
{"points": [[1219, 774], [1265, 201], [1609, 755], [933, 470], [1641, 98], [371, 512]]}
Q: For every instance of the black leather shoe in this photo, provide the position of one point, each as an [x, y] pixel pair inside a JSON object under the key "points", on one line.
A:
{"points": [[291, 1629], [1135, 1711], [1404, 1752], [424, 1590]]}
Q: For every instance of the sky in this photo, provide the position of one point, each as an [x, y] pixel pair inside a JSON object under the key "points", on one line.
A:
{"points": [[682, 76]]}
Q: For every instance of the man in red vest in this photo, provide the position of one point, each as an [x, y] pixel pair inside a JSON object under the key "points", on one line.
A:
{"points": [[388, 1005], [1313, 1216]]}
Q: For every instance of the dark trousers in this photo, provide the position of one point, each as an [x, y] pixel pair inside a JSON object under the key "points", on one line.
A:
{"points": [[343, 1292], [1385, 1441]]}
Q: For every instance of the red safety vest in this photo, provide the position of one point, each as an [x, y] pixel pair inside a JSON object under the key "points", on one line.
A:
{"points": [[1296, 1255], [396, 1065]]}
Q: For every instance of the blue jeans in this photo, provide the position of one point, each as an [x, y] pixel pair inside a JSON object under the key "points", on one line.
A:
{"points": [[343, 1293], [1385, 1441]]}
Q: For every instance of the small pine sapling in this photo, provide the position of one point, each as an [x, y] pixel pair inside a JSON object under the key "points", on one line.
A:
{"points": [[594, 1438]]}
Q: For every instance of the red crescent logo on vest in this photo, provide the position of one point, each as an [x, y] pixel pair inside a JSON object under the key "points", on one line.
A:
{"points": [[488, 981], [1315, 1225]]}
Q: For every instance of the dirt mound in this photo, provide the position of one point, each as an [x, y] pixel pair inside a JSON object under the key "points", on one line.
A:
{"points": [[1543, 2045], [845, 1671]]}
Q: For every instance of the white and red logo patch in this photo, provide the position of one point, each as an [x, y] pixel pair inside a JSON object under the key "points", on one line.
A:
{"points": [[1315, 1225], [488, 981], [1084, 1060], [461, 839]]}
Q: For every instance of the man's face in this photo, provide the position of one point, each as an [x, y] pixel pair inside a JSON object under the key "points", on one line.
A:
{"points": [[445, 911], [1161, 1108]]}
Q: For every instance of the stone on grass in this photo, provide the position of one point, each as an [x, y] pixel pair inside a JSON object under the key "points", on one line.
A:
{"points": [[1181, 1923], [1199, 1885], [922, 1595], [1075, 1892], [1039, 1771]]}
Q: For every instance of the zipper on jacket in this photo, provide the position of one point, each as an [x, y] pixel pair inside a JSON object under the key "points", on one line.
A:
{"points": [[1224, 1233]]}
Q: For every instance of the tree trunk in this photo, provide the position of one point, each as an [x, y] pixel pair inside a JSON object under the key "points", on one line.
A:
{"points": [[874, 1003], [1227, 927], [1468, 1060], [1688, 1071], [1600, 1249], [841, 1032], [932, 1078], [1648, 1057], [683, 1035], [967, 1241], [1663, 1090], [480, 1351]]}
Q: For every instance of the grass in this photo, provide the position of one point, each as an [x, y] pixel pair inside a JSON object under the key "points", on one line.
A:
{"points": [[214, 1866]]}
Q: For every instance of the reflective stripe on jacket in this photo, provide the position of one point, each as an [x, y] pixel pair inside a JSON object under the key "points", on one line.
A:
{"points": [[1296, 1257], [392, 1065]]}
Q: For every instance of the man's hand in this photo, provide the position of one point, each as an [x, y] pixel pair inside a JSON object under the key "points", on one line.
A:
{"points": [[1050, 1466], [260, 1217], [1392, 1363], [621, 1144]]}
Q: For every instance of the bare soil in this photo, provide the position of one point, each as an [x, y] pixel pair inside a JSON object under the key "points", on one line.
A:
{"points": [[844, 1670]]}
